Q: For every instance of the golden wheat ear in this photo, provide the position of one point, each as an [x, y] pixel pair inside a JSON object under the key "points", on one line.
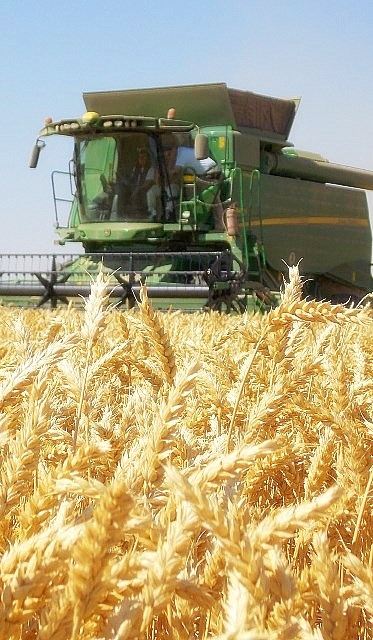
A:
{"points": [[158, 340], [293, 289]]}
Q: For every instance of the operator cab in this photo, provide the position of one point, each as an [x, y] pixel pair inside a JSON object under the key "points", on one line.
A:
{"points": [[134, 177]]}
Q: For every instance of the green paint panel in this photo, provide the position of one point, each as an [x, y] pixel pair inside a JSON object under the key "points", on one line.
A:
{"points": [[324, 225]]}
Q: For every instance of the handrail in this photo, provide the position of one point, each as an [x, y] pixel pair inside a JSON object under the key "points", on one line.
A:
{"points": [[255, 179], [55, 197]]}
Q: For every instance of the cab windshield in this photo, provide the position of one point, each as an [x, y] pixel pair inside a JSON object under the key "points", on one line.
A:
{"points": [[128, 177]]}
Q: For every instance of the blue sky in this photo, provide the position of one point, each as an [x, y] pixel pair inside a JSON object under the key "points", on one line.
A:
{"points": [[50, 52]]}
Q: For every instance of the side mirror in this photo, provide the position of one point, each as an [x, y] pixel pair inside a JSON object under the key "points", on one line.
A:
{"points": [[201, 146], [35, 153]]}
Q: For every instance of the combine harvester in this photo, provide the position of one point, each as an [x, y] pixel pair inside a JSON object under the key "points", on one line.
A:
{"points": [[198, 191]]}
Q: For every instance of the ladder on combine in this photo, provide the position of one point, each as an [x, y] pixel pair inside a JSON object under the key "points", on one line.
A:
{"points": [[255, 245], [245, 192]]}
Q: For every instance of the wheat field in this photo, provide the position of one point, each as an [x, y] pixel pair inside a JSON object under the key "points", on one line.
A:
{"points": [[173, 476]]}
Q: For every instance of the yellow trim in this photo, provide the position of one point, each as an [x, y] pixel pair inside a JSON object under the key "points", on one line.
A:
{"points": [[342, 222]]}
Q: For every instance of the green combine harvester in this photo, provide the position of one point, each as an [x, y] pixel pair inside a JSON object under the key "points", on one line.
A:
{"points": [[197, 191]]}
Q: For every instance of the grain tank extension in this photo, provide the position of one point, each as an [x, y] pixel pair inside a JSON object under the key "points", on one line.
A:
{"points": [[198, 190]]}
